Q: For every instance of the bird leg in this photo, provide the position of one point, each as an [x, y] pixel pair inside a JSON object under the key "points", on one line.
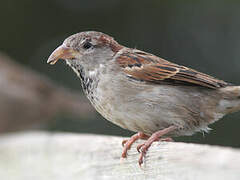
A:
{"points": [[142, 148], [128, 142]]}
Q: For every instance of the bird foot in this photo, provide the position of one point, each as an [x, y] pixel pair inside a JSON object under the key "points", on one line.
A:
{"points": [[142, 148], [128, 142]]}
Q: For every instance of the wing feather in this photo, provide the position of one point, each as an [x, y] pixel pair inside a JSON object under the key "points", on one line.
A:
{"points": [[147, 67]]}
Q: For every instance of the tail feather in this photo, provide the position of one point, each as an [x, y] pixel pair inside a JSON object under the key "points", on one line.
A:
{"points": [[231, 99]]}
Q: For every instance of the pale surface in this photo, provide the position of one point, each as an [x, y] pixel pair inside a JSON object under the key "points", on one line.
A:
{"points": [[63, 156]]}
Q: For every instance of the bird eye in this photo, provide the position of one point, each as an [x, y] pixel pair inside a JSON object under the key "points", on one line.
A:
{"points": [[87, 45]]}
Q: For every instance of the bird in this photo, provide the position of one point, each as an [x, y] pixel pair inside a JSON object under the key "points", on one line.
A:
{"points": [[144, 93]]}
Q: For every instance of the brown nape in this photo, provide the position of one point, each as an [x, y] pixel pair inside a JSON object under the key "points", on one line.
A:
{"points": [[107, 40]]}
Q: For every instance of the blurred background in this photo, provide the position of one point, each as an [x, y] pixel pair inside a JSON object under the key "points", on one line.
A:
{"points": [[204, 35]]}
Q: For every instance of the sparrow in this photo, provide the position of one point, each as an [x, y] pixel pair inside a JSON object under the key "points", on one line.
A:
{"points": [[144, 93]]}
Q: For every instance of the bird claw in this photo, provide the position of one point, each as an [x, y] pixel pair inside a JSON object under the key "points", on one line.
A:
{"points": [[140, 161], [142, 149], [128, 143], [139, 147], [168, 139], [124, 142]]}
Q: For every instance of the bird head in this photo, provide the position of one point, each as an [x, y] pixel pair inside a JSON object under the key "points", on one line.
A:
{"points": [[86, 49]]}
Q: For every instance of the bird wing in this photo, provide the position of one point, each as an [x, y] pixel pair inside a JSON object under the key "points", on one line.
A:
{"points": [[147, 67]]}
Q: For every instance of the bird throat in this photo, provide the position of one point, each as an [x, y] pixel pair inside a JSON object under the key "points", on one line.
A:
{"points": [[89, 80]]}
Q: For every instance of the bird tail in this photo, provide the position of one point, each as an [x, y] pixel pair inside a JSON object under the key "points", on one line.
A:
{"points": [[231, 99]]}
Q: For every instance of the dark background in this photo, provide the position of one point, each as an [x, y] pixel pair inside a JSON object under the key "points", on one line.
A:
{"points": [[204, 35]]}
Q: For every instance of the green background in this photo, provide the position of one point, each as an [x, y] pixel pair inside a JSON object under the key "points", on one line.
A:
{"points": [[204, 35]]}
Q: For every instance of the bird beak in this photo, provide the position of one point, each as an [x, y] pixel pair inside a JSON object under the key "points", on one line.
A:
{"points": [[62, 52]]}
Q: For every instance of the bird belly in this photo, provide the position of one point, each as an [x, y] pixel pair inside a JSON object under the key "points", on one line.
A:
{"points": [[149, 108]]}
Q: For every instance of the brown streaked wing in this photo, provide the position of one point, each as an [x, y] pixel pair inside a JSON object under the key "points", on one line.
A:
{"points": [[150, 68]]}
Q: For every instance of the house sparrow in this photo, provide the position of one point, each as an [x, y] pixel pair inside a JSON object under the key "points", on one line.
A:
{"points": [[143, 93]]}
